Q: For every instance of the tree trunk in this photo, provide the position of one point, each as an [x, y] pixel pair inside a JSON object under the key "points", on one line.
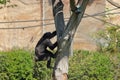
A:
{"points": [[65, 36]]}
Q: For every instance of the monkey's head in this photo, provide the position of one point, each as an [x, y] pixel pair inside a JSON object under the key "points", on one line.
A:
{"points": [[47, 35]]}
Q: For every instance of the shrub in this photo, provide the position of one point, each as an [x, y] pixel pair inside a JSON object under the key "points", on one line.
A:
{"points": [[4, 1], [41, 72], [90, 66], [109, 39], [84, 65], [16, 65], [19, 65]]}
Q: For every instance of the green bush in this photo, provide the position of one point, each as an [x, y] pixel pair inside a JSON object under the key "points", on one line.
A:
{"points": [[19, 65], [86, 65], [16, 65], [4, 1], [41, 72], [109, 39]]}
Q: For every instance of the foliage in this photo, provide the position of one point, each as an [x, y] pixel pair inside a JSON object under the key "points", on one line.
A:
{"points": [[41, 72], [19, 65], [93, 66], [109, 39], [84, 65], [4, 1], [16, 65], [5, 4]]}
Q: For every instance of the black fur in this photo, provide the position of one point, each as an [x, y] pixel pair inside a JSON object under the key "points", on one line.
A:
{"points": [[41, 52]]}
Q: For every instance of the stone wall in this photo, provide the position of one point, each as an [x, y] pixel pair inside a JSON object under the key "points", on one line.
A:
{"points": [[30, 14]]}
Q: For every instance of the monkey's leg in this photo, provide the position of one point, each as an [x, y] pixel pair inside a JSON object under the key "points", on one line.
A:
{"points": [[49, 62]]}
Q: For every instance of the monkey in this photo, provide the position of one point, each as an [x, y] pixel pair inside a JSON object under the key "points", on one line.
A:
{"points": [[41, 51]]}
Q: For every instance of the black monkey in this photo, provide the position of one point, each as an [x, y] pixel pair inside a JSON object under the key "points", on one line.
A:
{"points": [[41, 52]]}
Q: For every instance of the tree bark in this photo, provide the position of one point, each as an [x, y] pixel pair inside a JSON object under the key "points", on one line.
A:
{"points": [[65, 36]]}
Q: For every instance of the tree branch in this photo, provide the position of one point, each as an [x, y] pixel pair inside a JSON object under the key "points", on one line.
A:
{"points": [[58, 17], [72, 5]]}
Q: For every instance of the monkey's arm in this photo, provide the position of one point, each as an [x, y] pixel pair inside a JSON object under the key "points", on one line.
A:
{"points": [[53, 34], [53, 46]]}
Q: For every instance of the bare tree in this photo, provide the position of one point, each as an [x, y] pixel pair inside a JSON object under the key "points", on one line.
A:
{"points": [[65, 34]]}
